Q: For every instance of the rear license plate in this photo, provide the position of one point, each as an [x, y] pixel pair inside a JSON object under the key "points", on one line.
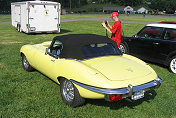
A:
{"points": [[138, 95]]}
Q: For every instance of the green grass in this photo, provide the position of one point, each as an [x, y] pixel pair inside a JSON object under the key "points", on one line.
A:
{"points": [[4, 15], [136, 17], [5, 18], [74, 16], [32, 95], [151, 19]]}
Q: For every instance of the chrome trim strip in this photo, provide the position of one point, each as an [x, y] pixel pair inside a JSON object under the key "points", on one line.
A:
{"points": [[151, 84]]}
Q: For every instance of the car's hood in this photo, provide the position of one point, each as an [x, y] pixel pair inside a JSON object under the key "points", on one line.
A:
{"points": [[119, 68]]}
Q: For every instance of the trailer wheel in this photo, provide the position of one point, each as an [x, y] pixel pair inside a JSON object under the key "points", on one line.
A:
{"points": [[19, 28]]}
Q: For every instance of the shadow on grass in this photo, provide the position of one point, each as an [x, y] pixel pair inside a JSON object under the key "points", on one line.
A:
{"points": [[158, 64], [62, 31], [123, 103], [149, 95]]}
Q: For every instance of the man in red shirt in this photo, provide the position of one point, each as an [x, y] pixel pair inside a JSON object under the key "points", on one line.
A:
{"points": [[116, 29]]}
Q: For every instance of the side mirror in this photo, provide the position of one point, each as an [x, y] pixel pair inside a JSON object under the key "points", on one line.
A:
{"points": [[136, 36], [47, 51]]}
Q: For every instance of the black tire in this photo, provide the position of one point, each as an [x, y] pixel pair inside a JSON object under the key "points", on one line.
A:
{"points": [[124, 48], [70, 94], [172, 65], [19, 28], [26, 64]]}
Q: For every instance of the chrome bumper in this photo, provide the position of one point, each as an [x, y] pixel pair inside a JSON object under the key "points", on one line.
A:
{"points": [[129, 90]]}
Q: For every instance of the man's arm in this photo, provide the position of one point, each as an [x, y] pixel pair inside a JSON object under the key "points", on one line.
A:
{"points": [[109, 25], [104, 25]]}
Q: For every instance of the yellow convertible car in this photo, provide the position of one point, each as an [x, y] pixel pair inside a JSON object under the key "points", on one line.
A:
{"points": [[90, 66]]}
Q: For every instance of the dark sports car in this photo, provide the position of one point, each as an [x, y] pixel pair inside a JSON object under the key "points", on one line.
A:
{"points": [[155, 43]]}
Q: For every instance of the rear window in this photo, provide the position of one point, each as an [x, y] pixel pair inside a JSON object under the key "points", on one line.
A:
{"points": [[170, 34], [97, 50]]}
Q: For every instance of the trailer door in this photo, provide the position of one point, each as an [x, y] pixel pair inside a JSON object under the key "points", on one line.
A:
{"points": [[43, 17], [17, 14]]}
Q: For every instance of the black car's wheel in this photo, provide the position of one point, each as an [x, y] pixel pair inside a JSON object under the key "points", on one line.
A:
{"points": [[70, 94], [124, 48], [26, 64], [172, 64]]}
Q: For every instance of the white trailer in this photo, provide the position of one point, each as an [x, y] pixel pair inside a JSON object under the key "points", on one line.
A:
{"points": [[36, 16]]}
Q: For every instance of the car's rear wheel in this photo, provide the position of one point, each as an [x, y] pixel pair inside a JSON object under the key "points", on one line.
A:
{"points": [[26, 64], [70, 94], [172, 64], [124, 48]]}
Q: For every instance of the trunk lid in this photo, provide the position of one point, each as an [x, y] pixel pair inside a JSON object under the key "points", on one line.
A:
{"points": [[118, 68]]}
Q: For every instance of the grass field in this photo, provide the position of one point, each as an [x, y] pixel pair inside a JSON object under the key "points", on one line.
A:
{"points": [[151, 18], [5, 18], [4, 15], [137, 17], [33, 95], [74, 16]]}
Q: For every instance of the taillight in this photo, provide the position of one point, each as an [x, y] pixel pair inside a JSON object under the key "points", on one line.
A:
{"points": [[115, 97], [58, 25], [28, 25]]}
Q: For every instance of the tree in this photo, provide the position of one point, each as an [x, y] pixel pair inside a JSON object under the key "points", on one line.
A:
{"points": [[163, 5], [130, 2]]}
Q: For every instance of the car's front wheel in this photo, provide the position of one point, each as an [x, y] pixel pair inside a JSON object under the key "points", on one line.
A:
{"points": [[172, 64], [70, 94], [26, 64], [124, 48]]}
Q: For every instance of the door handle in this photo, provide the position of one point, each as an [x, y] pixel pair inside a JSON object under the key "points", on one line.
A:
{"points": [[31, 18], [53, 60], [155, 43]]}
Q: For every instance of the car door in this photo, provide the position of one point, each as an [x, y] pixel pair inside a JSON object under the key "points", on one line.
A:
{"points": [[48, 61], [166, 45], [146, 42], [138, 44]]}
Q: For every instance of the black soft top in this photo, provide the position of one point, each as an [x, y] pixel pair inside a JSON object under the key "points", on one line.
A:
{"points": [[73, 44]]}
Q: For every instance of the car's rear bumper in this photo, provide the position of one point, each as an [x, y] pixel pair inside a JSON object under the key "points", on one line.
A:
{"points": [[128, 90]]}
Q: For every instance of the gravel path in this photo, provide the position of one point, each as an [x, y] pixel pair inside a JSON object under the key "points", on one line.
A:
{"points": [[103, 19], [5, 22]]}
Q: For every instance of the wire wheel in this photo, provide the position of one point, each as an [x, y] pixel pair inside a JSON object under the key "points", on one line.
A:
{"points": [[68, 91], [25, 62]]}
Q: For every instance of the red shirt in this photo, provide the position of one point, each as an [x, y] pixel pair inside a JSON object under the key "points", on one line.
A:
{"points": [[116, 32]]}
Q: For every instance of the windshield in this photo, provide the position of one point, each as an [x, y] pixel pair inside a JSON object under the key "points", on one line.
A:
{"points": [[96, 50]]}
